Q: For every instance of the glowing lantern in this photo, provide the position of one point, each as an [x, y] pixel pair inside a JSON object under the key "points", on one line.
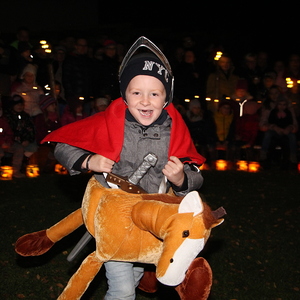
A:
{"points": [[253, 166], [242, 165], [204, 166], [32, 171], [60, 169], [6, 173], [221, 165]]}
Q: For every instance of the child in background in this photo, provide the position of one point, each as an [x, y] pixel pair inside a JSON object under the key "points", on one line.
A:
{"points": [[6, 134], [24, 134], [282, 129], [46, 122], [246, 130], [29, 90], [73, 112], [144, 120], [100, 104], [202, 128], [224, 124]]}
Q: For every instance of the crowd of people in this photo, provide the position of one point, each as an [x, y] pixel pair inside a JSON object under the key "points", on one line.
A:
{"points": [[234, 110]]}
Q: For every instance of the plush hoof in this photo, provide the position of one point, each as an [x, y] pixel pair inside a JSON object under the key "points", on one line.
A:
{"points": [[148, 283], [33, 244], [197, 282]]}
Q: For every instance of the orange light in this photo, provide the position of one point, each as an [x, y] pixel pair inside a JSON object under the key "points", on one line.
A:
{"points": [[60, 169], [253, 166], [242, 165], [32, 171], [6, 173], [221, 165]]}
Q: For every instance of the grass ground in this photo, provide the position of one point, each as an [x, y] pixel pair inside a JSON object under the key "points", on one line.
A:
{"points": [[253, 254]]}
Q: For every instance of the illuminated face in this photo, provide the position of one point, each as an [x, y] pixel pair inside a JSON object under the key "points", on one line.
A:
{"points": [[224, 63], [145, 97]]}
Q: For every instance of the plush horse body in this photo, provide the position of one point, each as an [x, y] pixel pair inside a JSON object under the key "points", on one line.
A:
{"points": [[133, 228]]}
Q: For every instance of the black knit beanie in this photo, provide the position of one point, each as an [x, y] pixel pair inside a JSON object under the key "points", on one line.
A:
{"points": [[146, 64]]}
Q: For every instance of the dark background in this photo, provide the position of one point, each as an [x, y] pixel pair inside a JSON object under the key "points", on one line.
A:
{"points": [[239, 26]]}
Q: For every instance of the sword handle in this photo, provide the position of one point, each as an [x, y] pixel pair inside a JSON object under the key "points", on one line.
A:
{"points": [[149, 161]]}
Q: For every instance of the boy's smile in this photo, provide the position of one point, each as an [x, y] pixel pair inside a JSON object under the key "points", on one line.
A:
{"points": [[145, 97]]}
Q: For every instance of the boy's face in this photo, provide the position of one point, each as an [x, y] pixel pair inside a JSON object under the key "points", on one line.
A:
{"points": [[145, 97]]}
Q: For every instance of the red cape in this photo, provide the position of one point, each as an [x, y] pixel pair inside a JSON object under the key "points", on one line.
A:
{"points": [[103, 133]]}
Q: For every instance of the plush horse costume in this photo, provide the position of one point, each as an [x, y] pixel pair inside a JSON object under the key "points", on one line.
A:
{"points": [[161, 229], [169, 235]]}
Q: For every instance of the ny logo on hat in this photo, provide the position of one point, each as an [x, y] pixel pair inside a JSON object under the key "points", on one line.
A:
{"points": [[149, 67]]}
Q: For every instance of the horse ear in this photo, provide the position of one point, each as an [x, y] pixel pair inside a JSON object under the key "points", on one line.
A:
{"points": [[191, 203]]}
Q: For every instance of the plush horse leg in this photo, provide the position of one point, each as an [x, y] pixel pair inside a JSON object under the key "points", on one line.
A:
{"points": [[37, 243], [149, 282], [197, 282], [81, 280]]}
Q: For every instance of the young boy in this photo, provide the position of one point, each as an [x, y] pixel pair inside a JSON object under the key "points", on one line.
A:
{"points": [[117, 140]]}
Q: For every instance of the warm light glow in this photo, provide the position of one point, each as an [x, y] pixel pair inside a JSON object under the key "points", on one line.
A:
{"points": [[45, 46], [221, 165], [218, 55], [81, 98], [216, 100], [48, 50], [35, 87], [32, 171], [204, 166], [242, 165], [253, 166], [196, 97], [187, 100], [1, 129], [299, 166], [6, 172], [60, 169], [208, 99], [43, 42]]}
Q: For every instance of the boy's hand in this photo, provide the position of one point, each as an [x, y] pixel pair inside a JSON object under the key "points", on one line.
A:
{"points": [[173, 170], [99, 163]]}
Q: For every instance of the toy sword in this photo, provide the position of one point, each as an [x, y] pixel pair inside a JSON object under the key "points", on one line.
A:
{"points": [[128, 185]]}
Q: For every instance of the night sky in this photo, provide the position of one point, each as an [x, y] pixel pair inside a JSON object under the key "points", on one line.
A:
{"points": [[238, 26]]}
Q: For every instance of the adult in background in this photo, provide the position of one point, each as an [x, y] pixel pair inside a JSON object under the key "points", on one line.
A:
{"points": [[77, 75]]}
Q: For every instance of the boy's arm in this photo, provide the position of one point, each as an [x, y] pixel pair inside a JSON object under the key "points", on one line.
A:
{"points": [[193, 181], [70, 157]]}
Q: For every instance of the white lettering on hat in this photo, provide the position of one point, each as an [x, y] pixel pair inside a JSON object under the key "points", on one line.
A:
{"points": [[149, 67]]}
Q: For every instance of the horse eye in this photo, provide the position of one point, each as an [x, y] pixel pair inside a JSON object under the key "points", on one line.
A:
{"points": [[185, 233]]}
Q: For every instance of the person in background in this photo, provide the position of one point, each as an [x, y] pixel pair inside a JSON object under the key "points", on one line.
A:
{"points": [[246, 131], [45, 122], [202, 128], [6, 135], [106, 72], [221, 83], [240, 97], [282, 129], [73, 112], [24, 145], [188, 73], [224, 125], [100, 104], [77, 75], [29, 90]]}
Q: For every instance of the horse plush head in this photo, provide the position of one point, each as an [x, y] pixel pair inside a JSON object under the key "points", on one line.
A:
{"points": [[158, 229]]}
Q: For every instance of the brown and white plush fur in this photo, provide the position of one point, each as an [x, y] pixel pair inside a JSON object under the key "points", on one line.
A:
{"points": [[131, 227]]}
